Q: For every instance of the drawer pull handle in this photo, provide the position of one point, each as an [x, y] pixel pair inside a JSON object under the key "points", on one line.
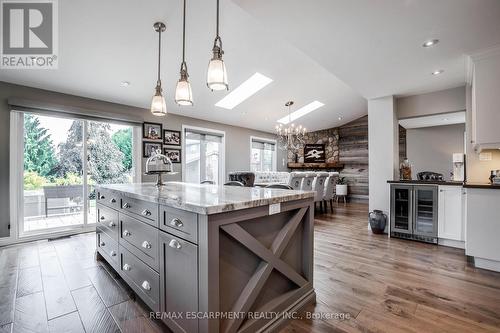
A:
{"points": [[102, 244], [102, 197], [126, 233], [126, 205], [113, 253], [176, 223], [146, 212], [146, 245], [111, 224], [102, 218], [127, 267], [174, 244], [112, 200], [146, 286]]}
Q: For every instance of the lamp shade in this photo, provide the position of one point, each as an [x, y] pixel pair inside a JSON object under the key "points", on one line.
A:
{"points": [[158, 105], [217, 75], [183, 93]]}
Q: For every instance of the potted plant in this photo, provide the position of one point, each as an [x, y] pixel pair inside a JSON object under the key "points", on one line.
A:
{"points": [[341, 187]]}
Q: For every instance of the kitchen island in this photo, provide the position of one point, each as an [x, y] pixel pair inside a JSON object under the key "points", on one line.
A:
{"points": [[208, 258]]}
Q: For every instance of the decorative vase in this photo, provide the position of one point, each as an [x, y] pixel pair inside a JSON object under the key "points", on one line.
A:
{"points": [[378, 221], [341, 189]]}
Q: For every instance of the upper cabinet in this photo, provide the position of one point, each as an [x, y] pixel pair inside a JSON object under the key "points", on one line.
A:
{"points": [[484, 76]]}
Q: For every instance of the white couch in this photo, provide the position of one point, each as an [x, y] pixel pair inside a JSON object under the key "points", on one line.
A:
{"points": [[271, 177]]}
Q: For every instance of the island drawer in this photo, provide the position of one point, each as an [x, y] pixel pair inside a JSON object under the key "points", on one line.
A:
{"points": [[107, 247], [108, 219], [141, 239], [142, 210], [108, 198], [180, 223], [141, 278]]}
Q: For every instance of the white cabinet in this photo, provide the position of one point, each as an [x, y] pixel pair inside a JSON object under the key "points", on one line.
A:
{"points": [[485, 100], [450, 215]]}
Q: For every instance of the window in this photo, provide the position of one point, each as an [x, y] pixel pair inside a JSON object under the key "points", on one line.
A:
{"points": [[203, 155], [60, 160], [262, 154]]}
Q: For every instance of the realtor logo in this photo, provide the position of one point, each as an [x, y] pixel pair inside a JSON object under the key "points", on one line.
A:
{"points": [[29, 34]]}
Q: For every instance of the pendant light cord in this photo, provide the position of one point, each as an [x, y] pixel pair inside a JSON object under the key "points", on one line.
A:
{"points": [[217, 19], [159, 54], [184, 34]]}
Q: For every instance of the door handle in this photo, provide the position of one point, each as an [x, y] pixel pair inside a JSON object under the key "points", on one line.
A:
{"points": [[111, 224], [102, 244], [126, 233], [102, 197], [113, 253], [146, 212], [176, 223], [174, 244], [102, 217], [146, 245], [126, 205], [127, 267], [112, 200]]}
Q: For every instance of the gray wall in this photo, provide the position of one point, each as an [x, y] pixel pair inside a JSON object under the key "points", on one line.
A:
{"points": [[432, 148], [237, 138], [442, 101]]}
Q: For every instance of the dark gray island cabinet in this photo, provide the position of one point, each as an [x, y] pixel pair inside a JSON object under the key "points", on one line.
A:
{"points": [[210, 258]]}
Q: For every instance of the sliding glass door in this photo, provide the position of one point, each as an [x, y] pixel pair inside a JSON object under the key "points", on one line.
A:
{"points": [[204, 156], [63, 159]]}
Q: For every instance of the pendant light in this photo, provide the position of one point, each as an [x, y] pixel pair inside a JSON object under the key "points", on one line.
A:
{"points": [[158, 105], [183, 92], [216, 74]]}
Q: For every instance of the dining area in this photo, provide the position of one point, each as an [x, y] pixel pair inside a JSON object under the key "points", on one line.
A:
{"points": [[323, 184]]}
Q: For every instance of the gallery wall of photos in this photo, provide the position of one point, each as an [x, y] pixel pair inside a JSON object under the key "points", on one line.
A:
{"points": [[154, 137]]}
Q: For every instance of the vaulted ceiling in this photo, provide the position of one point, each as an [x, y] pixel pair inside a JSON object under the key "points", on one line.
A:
{"points": [[337, 52]]}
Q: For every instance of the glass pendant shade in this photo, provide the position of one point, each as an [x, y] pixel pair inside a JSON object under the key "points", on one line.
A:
{"points": [[217, 75], [183, 93], [158, 104]]}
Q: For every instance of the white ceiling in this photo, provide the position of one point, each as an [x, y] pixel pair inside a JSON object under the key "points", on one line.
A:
{"points": [[442, 119], [308, 48]]}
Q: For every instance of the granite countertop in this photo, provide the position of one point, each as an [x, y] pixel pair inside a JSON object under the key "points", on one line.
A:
{"points": [[207, 199], [426, 182], [482, 185]]}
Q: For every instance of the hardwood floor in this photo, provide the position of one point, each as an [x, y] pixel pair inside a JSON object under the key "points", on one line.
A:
{"points": [[392, 285], [364, 283]]}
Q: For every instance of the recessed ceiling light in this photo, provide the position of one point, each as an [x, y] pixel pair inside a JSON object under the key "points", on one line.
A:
{"points": [[125, 83], [340, 118], [255, 83], [437, 72], [430, 42], [445, 119], [301, 112]]}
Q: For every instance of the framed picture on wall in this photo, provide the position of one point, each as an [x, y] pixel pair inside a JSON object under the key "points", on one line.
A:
{"points": [[150, 146], [173, 154], [152, 131], [171, 138], [314, 153]]}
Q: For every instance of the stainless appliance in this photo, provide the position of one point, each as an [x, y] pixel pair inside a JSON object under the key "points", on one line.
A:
{"points": [[414, 213]]}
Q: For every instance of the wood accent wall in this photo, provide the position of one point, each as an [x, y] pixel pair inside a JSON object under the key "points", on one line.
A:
{"points": [[353, 153]]}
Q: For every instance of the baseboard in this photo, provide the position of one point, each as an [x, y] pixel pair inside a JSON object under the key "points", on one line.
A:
{"points": [[452, 243], [491, 265]]}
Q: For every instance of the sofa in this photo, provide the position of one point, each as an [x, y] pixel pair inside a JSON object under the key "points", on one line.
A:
{"points": [[272, 177]]}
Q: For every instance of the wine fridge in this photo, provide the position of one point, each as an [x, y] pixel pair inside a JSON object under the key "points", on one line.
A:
{"points": [[414, 213]]}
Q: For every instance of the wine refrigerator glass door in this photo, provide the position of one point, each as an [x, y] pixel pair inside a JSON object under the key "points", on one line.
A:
{"points": [[402, 209], [425, 211]]}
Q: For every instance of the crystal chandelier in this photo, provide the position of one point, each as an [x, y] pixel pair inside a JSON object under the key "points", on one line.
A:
{"points": [[290, 137]]}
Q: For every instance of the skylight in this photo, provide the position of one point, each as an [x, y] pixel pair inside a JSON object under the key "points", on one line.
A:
{"points": [[301, 112], [255, 83]]}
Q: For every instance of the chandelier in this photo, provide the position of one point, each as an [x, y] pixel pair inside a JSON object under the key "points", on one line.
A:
{"points": [[290, 137]]}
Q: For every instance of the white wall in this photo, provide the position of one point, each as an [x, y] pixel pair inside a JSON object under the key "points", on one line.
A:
{"points": [[383, 151]]}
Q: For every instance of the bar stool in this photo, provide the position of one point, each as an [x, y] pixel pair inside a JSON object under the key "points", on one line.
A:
{"points": [[329, 194], [307, 181]]}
